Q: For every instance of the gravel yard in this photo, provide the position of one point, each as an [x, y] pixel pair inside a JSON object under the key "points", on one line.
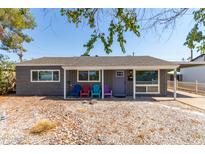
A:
{"points": [[103, 122]]}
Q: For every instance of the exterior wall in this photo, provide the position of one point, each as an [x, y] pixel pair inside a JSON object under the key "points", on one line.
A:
{"points": [[129, 85], [109, 78], [25, 87], [163, 82], [192, 74]]}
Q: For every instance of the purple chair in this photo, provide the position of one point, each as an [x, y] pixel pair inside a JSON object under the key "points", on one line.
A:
{"points": [[107, 91]]}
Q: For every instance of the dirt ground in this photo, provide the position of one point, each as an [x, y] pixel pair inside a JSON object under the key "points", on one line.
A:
{"points": [[100, 122]]}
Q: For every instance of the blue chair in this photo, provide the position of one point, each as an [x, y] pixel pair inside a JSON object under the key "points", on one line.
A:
{"points": [[96, 91], [76, 90]]}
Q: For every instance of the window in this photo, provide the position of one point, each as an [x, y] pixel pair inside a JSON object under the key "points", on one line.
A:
{"points": [[119, 74], [89, 76], [146, 77], [83, 75], [94, 75], [35, 76], [147, 82], [45, 76], [55, 75]]}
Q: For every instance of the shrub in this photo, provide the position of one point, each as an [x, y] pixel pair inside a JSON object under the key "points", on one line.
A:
{"points": [[152, 130], [7, 75], [81, 110], [42, 126], [196, 136], [141, 136]]}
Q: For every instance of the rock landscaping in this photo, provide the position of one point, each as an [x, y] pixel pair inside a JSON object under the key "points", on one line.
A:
{"points": [[98, 122]]}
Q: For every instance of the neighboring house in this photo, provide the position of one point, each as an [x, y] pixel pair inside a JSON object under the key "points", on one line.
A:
{"points": [[200, 58], [170, 76], [191, 74], [57, 75]]}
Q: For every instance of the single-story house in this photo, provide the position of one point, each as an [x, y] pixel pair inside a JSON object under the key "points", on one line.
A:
{"points": [[125, 75]]}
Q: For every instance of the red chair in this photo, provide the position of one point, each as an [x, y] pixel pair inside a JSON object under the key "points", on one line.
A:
{"points": [[85, 91]]}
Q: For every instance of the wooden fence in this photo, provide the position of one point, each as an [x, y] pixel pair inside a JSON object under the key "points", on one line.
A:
{"points": [[193, 87]]}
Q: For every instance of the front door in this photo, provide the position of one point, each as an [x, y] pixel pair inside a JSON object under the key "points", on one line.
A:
{"points": [[119, 87]]}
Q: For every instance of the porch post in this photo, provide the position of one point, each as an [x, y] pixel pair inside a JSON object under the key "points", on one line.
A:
{"points": [[175, 84], [102, 84], [64, 83], [134, 83]]}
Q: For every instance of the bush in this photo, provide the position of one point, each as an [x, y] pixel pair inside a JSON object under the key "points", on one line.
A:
{"points": [[42, 126], [7, 75]]}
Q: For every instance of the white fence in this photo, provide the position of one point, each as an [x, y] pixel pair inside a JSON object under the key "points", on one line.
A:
{"points": [[194, 87]]}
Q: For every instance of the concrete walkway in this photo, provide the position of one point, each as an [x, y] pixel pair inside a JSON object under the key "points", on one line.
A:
{"points": [[191, 99]]}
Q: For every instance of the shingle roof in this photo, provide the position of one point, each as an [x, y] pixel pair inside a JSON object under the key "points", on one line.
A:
{"points": [[184, 64], [98, 61]]}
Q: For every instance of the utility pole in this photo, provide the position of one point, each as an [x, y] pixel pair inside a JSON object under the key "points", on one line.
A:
{"points": [[191, 55], [20, 54]]}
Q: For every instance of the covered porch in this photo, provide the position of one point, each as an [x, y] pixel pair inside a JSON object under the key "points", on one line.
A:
{"points": [[127, 82]]}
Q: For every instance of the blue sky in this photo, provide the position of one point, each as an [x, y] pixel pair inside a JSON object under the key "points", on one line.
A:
{"points": [[53, 36]]}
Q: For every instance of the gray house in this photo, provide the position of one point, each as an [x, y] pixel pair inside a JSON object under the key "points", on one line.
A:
{"points": [[125, 75]]}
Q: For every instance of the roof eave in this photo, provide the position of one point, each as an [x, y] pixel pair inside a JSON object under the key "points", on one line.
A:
{"points": [[38, 64], [169, 67]]}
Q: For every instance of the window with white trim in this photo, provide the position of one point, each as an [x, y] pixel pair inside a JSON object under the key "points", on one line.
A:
{"points": [[147, 77], [45, 75], [147, 82], [88, 76]]}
